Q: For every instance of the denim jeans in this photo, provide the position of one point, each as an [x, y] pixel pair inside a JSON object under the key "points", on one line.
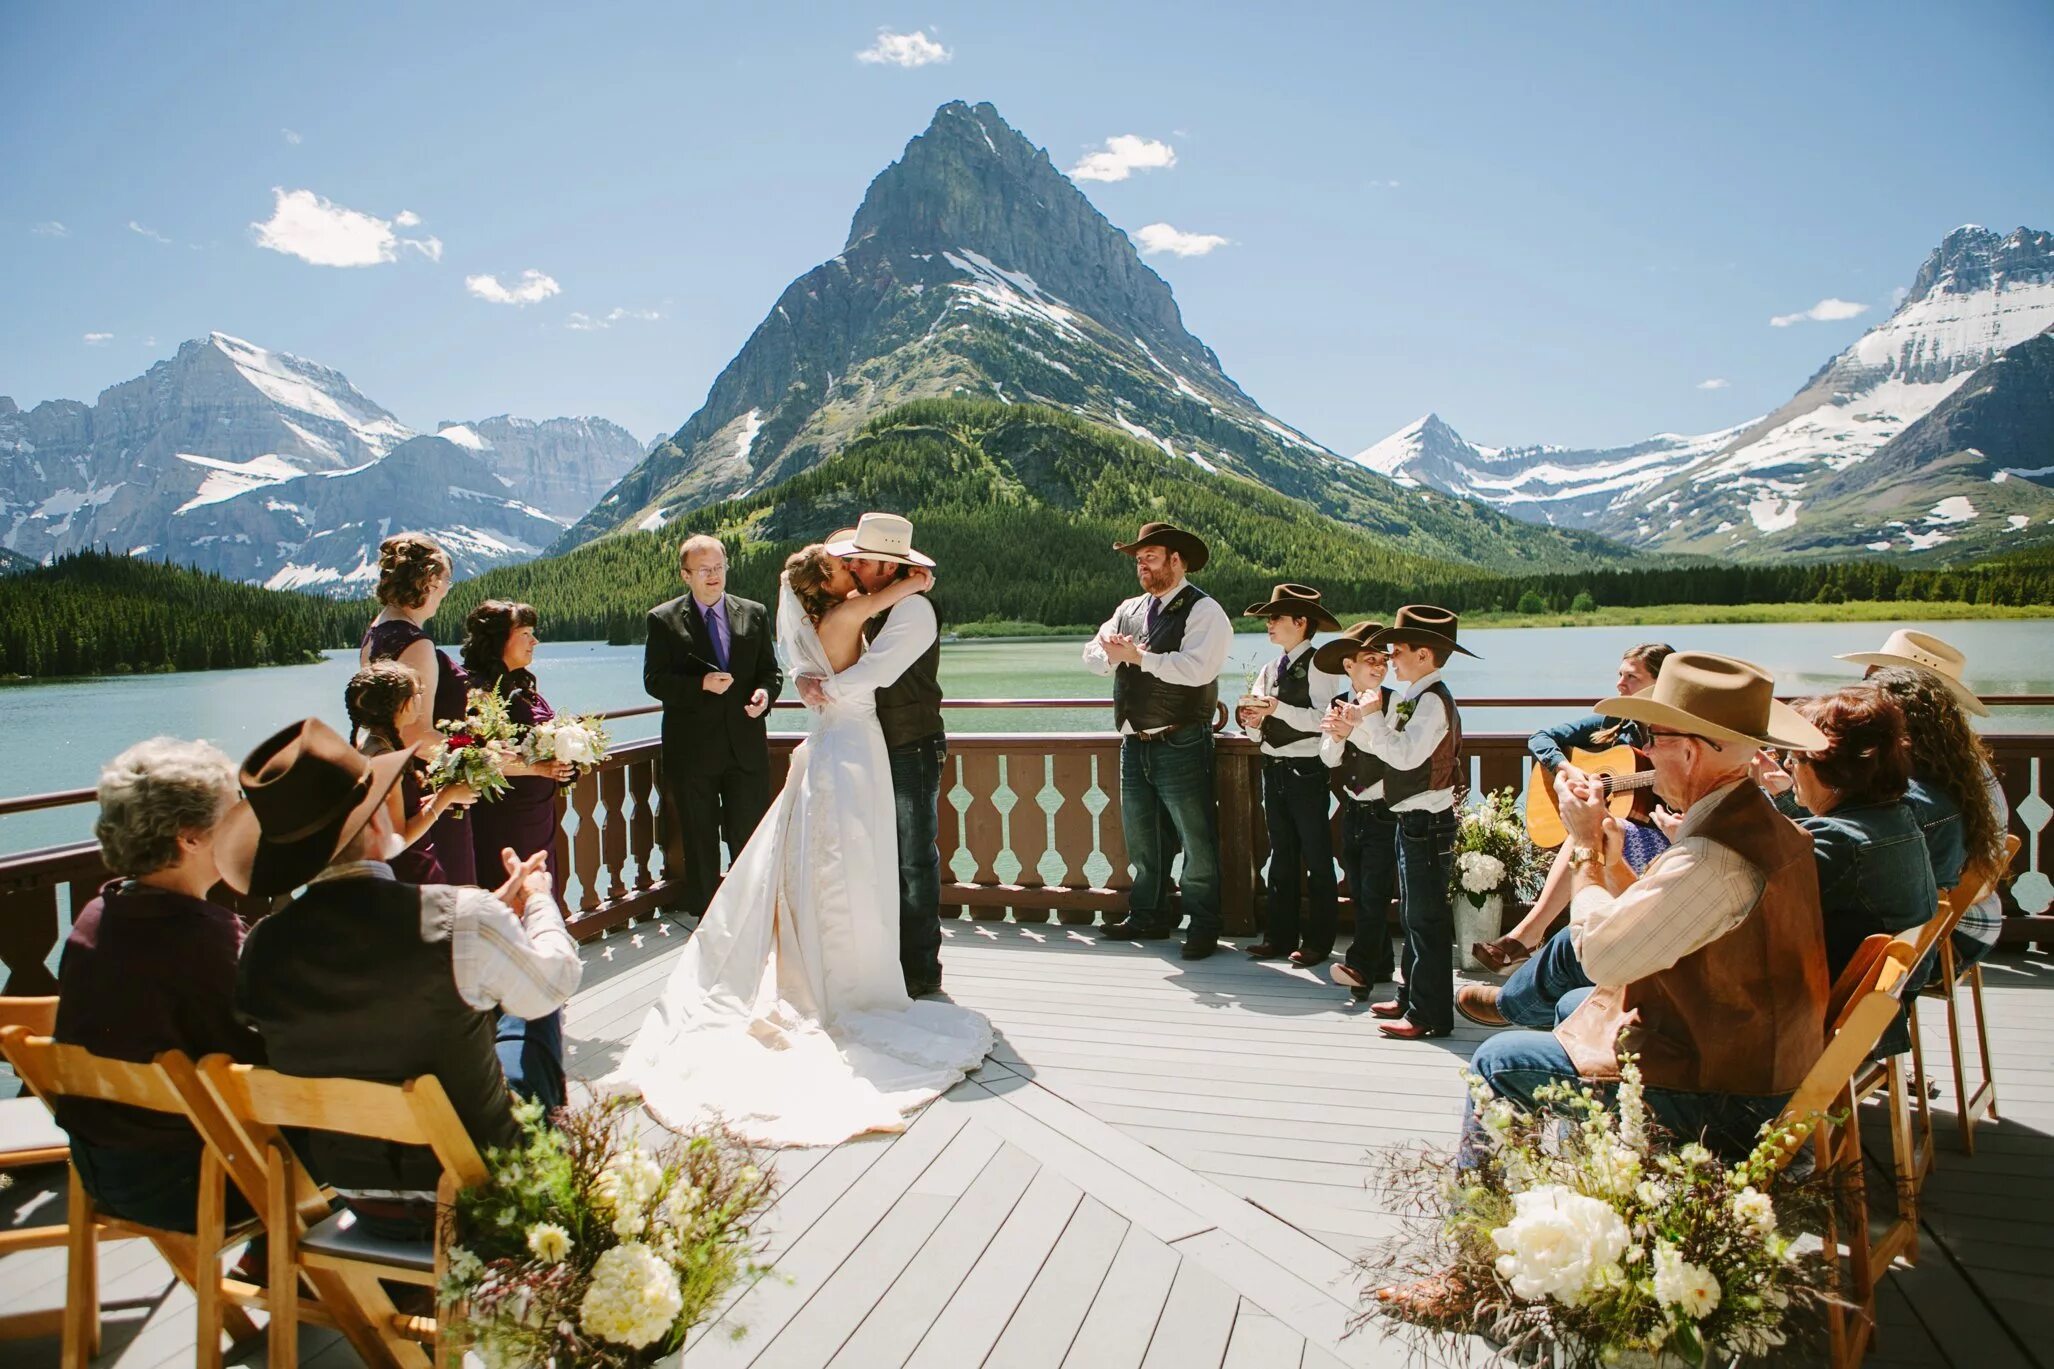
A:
{"points": [[1369, 856], [159, 1188], [1296, 801], [1516, 1063], [916, 801], [1541, 982], [1426, 853], [1166, 790], [531, 1057]]}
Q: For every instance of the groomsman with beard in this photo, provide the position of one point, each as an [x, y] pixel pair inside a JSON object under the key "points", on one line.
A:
{"points": [[1164, 648]]}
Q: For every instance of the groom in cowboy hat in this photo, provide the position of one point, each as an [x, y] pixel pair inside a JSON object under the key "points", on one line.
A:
{"points": [[1711, 966], [1164, 648], [902, 662]]}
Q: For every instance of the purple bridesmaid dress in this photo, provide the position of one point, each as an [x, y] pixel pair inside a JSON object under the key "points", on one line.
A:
{"points": [[450, 837], [525, 816]]}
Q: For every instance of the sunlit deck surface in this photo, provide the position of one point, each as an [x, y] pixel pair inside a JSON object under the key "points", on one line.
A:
{"points": [[1162, 1166]]}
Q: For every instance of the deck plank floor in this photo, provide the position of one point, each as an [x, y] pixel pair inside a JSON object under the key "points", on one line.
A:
{"points": [[1162, 1165]]}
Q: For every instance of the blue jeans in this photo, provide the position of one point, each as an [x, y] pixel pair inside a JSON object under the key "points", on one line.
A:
{"points": [[1369, 857], [1296, 802], [1516, 1063], [1542, 981], [916, 801], [1166, 790], [531, 1057], [1426, 853]]}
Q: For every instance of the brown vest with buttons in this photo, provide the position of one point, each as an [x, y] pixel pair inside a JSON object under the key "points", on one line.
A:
{"points": [[1743, 1015]]}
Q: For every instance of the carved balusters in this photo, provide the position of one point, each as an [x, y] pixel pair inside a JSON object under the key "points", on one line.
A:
{"points": [[1027, 824], [949, 829], [983, 825], [613, 830], [1112, 832], [642, 822], [1070, 771], [585, 858]]}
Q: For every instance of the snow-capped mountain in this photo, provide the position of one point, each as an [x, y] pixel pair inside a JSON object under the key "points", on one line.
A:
{"points": [[1781, 483], [264, 466]]}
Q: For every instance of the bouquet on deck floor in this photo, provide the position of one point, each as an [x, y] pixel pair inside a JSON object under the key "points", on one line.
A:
{"points": [[577, 739], [583, 1247], [474, 748], [1578, 1229]]}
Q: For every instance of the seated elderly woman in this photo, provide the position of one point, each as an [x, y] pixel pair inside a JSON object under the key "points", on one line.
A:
{"points": [[149, 967]]}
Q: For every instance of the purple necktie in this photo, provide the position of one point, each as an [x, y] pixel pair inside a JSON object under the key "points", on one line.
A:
{"points": [[716, 628], [1155, 613], [1283, 668]]}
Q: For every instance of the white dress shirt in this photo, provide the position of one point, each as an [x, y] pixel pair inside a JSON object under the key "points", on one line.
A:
{"points": [[910, 627], [1689, 896], [1409, 745], [1333, 750], [1198, 659], [1323, 688]]}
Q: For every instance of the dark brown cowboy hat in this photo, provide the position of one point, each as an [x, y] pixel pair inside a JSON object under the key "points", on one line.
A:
{"points": [[1295, 601], [306, 795], [1423, 625], [1169, 537], [1332, 657]]}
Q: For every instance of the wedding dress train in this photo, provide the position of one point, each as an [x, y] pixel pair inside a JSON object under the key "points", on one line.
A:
{"points": [[786, 1014]]}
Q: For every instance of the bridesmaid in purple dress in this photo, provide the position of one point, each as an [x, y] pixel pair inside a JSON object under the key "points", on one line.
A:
{"points": [[499, 646], [413, 579], [385, 702]]}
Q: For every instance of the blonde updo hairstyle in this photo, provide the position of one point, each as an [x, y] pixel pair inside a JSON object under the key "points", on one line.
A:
{"points": [[152, 793], [409, 564], [808, 571]]}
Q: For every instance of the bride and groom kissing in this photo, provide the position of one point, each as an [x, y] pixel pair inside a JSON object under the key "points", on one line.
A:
{"points": [[794, 1012]]}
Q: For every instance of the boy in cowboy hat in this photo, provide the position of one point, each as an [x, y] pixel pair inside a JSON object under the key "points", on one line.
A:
{"points": [[363, 977], [1419, 740], [1164, 648], [1292, 694], [1369, 832]]}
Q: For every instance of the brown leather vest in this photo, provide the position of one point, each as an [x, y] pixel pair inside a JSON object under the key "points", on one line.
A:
{"points": [[1743, 1015], [1444, 769]]}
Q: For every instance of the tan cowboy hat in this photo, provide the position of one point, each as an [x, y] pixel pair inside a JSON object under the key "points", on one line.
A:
{"points": [[879, 537], [1170, 537], [1924, 651], [1295, 601], [1423, 625], [1715, 696], [1332, 656], [306, 795]]}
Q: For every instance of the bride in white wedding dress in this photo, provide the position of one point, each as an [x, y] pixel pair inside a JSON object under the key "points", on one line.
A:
{"points": [[786, 1015]]}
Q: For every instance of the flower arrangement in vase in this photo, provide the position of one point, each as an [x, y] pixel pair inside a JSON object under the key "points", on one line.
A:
{"points": [[1494, 859]]}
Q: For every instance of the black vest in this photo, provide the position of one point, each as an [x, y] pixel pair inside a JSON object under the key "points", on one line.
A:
{"points": [[909, 708], [339, 982], [1294, 687], [1141, 700], [1361, 770], [1443, 769]]}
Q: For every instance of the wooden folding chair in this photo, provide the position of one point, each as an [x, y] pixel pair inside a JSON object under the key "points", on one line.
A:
{"points": [[56, 1071], [260, 1103], [1970, 1105], [1864, 1000]]}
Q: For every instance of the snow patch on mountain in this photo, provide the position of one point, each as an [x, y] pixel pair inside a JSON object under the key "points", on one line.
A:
{"points": [[227, 479]]}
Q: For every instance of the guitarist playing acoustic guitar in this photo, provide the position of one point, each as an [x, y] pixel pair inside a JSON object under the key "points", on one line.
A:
{"points": [[1550, 748]]}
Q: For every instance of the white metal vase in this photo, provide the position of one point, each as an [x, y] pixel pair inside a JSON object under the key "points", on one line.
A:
{"points": [[1474, 924]]}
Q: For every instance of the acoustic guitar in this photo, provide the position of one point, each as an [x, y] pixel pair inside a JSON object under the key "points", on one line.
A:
{"points": [[1628, 777]]}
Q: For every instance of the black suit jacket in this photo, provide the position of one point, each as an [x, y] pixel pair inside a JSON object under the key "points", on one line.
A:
{"points": [[701, 728]]}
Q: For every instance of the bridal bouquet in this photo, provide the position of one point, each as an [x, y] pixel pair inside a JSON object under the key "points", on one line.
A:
{"points": [[473, 748], [579, 740], [1493, 854], [583, 1247], [1592, 1237]]}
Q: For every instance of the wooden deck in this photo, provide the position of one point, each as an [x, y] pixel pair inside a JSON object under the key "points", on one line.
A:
{"points": [[1161, 1166]]}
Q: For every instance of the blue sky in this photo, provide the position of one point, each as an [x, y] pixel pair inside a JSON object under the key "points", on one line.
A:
{"points": [[1547, 222]]}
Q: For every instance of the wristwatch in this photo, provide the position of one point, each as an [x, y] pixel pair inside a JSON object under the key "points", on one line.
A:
{"points": [[1585, 855]]}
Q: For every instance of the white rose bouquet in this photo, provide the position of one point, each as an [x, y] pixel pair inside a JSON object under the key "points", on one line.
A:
{"points": [[585, 1248], [1493, 854], [576, 739]]}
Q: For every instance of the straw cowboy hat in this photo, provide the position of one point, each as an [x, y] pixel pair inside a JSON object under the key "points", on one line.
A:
{"points": [[1332, 656], [1170, 537], [1423, 625], [306, 795], [1924, 651], [1295, 601], [1721, 698], [879, 537]]}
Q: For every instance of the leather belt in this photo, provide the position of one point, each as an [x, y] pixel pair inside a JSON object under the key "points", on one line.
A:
{"points": [[1166, 732]]}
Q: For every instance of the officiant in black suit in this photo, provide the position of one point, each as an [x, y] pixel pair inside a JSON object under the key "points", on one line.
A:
{"points": [[710, 660]]}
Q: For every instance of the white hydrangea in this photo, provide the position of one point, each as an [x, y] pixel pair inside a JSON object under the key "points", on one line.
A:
{"points": [[1481, 873], [1755, 1210], [1558, 1243], [628, 1183], [1679, 1283], [633, 1298]]}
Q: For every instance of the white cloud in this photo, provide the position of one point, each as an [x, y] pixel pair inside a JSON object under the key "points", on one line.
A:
{"points": [[304, 225], [1897, 296], [98, 339], [913, 49], [1825, 311], [1715, 383], [1122, 156], [1383, 185], [429, 247], [1160, 237], [292, 137], [531, 288], [586, 323], [50, 228], [406, 218], [145, 231]]}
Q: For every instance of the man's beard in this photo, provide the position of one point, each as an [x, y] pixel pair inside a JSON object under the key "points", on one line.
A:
{"points": [[1152, 580]]}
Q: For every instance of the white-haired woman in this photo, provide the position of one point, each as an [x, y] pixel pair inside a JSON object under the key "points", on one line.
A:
{"points": [[149, 967]]}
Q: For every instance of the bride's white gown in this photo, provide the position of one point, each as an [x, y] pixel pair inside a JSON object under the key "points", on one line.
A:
{"points": [[786, 1014]]}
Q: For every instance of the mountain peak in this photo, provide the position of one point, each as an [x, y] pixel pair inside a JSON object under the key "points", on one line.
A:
{"points": [[1973, 258]]}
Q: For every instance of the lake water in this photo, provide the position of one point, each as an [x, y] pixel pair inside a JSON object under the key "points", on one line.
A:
{"points": [[56, 736]]}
